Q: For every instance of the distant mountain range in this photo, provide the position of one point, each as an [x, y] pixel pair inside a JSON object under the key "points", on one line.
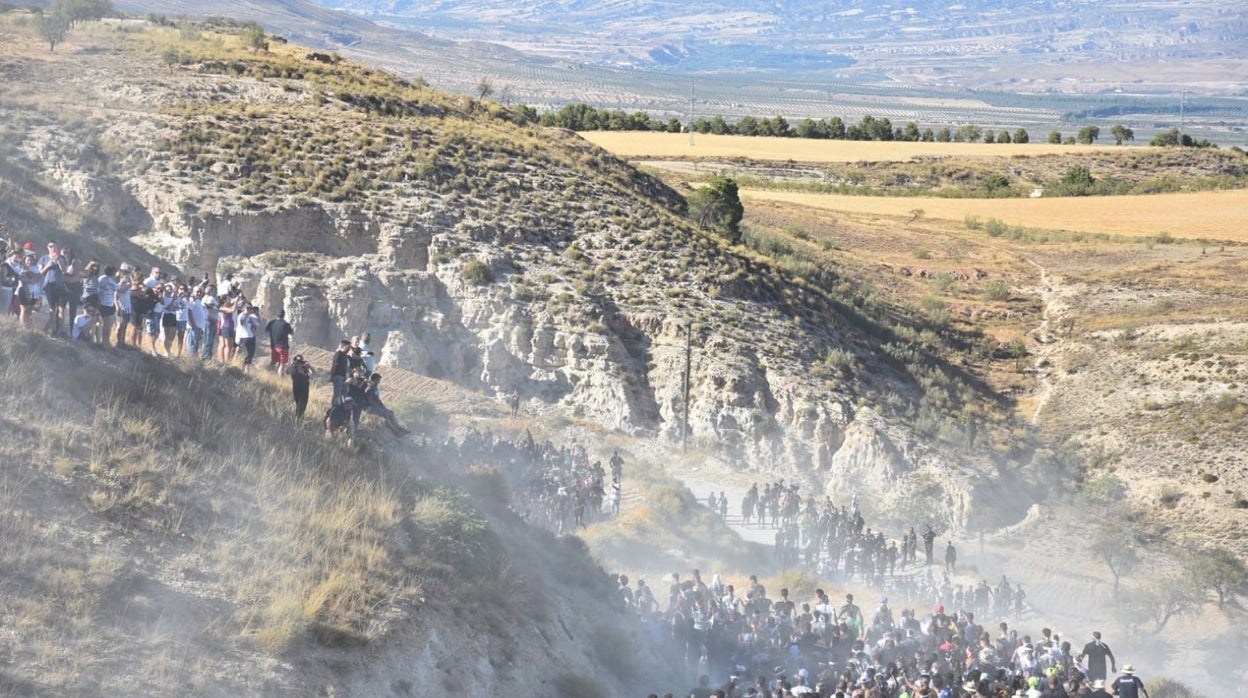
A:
{"points": [[915, 37], [1038, 65]]}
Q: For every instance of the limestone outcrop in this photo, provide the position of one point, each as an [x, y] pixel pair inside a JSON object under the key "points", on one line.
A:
{"points": [[577, 292]]}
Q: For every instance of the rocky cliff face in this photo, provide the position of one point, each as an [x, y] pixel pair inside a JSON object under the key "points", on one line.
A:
{"points": [[508, 259]]}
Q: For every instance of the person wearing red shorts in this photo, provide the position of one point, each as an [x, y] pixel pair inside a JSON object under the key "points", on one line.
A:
{"points": [[280, 333]]}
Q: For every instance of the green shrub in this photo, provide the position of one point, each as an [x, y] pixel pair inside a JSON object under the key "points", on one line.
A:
{"points": [[476, 273], [996, 290], [449, 530]]}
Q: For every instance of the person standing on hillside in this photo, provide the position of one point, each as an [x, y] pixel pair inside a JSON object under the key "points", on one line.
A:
{"points": [[248, 324], [29, 288], [951, 557], [1097, 652], [300, 383], [339, 368], [196, 324], [9, 264], [280, 333], [168, 310], [52, 266], [366, 354], [228, 311], [1129, 685], [106, 295], [357, 390], [929, 540], [213, 313], [124, 302]]}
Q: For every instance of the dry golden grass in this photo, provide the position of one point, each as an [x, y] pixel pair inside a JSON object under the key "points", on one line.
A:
{"points": [[631, 144], [203, 469], [1209, 215]]}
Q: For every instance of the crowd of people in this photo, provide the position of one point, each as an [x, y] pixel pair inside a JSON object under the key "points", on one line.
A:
{"points": [[121, 306], [757, 644], [124, 307], [750, 643], [555, 487]]}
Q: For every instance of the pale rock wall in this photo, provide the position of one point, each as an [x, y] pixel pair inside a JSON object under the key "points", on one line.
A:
{"points": [[621, 368]]}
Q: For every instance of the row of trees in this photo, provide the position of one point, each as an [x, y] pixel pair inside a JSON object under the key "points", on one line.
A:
{"points": [[54, 23], [1198, 573], [583, 117]]}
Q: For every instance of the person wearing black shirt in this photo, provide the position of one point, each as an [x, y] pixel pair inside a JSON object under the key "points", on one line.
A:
{"points": [[300, 383], [357, 389], [1097, 652], [280, 332], [339, 369]]}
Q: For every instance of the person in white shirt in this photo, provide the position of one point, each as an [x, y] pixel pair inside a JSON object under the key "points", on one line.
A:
{"points": [[107, 295], [84, 323], [246, 327], [125, 310], [196, 324], [29, 289], [155, 278]]}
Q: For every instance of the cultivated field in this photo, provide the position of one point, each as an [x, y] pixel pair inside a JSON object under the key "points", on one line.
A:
{"points": [[631, 144], [1216, 215], [1213, 215]]}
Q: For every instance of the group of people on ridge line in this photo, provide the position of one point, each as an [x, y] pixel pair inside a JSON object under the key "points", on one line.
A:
{"points": [[356, 389], [167, 316], [123, 307]]}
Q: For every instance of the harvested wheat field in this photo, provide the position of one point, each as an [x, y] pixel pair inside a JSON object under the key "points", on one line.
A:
{"points": [[632, 144], [1217, 215]]}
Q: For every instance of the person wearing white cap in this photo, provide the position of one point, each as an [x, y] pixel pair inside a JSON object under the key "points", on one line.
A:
{"points": [[800, 688], [1128, 685]]}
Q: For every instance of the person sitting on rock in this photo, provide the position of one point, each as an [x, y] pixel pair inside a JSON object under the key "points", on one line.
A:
{"points": [[374, 405]]}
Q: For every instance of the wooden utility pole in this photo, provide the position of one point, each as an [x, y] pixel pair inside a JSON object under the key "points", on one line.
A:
{"points": [[689, 128], [684, 427]]}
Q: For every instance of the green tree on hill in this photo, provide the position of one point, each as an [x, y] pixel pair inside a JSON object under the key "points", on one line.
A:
{"points": [[254, 37], [1077, 180], [1089, 134], [1055, 137], [82, 10], [717, 207], [52, 27], [485, 88], [969, 133], [1220, 571], [1122, 133]]}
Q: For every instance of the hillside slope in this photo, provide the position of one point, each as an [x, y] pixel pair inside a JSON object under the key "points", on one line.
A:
{"points": [[480, 248], [172, 529]]}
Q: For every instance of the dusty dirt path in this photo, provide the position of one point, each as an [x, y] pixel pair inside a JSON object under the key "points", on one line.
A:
{"points": [[1047, 347]]}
